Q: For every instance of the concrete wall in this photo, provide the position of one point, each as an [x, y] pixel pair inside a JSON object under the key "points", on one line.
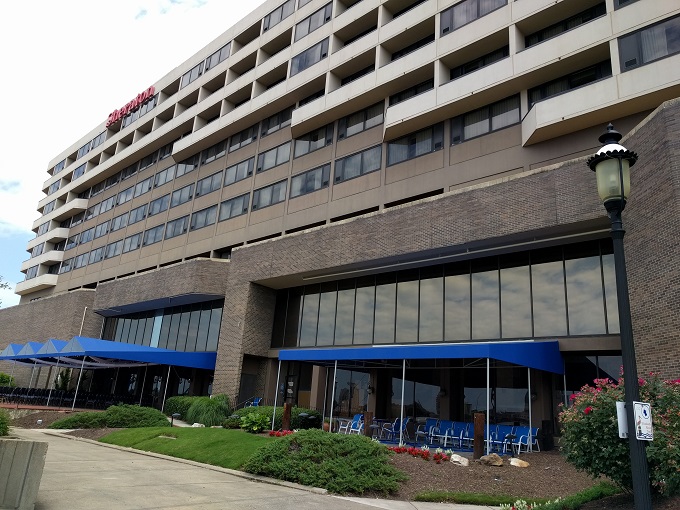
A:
{"points": [[21, 467]]}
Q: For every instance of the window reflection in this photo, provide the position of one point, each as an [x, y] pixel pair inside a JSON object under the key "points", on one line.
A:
{"points": [[407, 307], [385, 300], [485, 299], [431, 326], [363, 315], [310, 316], [547, 284], [516, 297], [344, 324], [327, 304], [457, 302]]}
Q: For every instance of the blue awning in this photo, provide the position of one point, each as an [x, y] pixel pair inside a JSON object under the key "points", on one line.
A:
{"points": [[542, 355], [10, 350]]}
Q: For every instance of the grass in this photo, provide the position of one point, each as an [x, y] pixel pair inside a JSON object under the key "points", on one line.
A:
{"points": [[573, 502], [219, 447]]}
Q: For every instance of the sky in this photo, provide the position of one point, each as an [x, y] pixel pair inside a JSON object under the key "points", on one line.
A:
{"points": [[66, 66]]}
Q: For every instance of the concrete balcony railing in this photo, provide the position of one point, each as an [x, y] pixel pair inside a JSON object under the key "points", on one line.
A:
{"points": [[44, 281]]}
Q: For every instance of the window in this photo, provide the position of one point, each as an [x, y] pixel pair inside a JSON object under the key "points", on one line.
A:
{"points": [[186, 166], [43, 228], [566, 24], [182, 195], [650, 44], [570, 82], [66, 266], [311, 97], [53, 269], [80, 260], [143, 187], [97, 188], [191, 75], [239, 171], [137, 214], [164, 176], [132, 242], [361, 121], [72, 242], [119, 222], [277, 15], [112, 181], [411, 92], [32, 272], [209, 184], [315, 140], [59, 167], [101, 230], [107, 204], [204, 217], [49, 207], [243, 138], [153, 235], [97, 140], [147, 161], [219, 56], [622, 3], [355, 76], [96, 255], [269, 195], [308, 58], [407, 7], [412, 47], [37, 250], [478, 63], [234, 207], [273, 157], [114, 249], [466, 12], [93, 211], [358, 164], [165, 151], [159, 205], [83, 150], [125, 195], [54, 187], [485, 120], [416, 144], [79, 171], [215, 152], [128, 172], [311, 23], [87, 235], [277, 121], [176, 227], [77, 219], [310, 181]]}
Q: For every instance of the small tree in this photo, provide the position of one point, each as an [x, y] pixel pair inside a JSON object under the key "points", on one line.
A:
{"points": [[3, 285], [63, 379], [6, 379], [591, 442]]}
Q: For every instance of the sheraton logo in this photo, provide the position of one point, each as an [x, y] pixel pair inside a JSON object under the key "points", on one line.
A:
{"points": [[138, 101]]}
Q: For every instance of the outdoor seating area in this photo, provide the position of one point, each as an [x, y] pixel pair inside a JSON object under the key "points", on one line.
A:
{"points": [[456, 435], [64, 398]]}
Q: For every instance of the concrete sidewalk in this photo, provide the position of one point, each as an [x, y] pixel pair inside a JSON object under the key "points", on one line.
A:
{"points": [[81, 474]]}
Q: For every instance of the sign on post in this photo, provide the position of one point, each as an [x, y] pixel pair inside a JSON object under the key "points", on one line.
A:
{"points": [[643, 421]]}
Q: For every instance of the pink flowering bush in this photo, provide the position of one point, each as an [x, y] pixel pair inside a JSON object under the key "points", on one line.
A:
{"points": [[590, 438]]}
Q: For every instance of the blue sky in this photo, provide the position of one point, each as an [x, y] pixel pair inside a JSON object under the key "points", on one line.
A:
{"points": [[67, 67]]}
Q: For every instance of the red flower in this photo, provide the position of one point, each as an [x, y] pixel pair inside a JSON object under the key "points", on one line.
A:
{"points": [[588, 410]]}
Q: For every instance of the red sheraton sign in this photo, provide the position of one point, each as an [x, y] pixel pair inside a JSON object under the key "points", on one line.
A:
{"points": [[138, 101]]}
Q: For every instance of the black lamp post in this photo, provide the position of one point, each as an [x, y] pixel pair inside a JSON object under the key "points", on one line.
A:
{"points": [[611, 165]]}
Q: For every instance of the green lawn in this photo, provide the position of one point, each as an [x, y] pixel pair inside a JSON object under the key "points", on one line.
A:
{"points": [[228, 448]]}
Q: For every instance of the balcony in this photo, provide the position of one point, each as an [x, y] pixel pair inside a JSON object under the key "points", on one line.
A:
{"points": [[41, 282], [43, 258]]}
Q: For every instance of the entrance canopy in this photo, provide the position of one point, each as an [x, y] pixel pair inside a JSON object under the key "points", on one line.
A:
{"points": [[542, 355], [97, 353]]}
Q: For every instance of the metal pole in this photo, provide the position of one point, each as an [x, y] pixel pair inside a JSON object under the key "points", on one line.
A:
{"points": [[276, 393], [82, 323], [73, 406], [488, 403], [49, 395], [325, 398], [530, 446], [564, 376], [30, 383], [401, 416], [638, 455], [141, 390], [165, 392], [335, 376]]}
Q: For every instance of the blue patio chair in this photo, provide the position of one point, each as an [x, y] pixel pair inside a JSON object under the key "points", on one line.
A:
{"points": [[525, 437], [425, 430], [346, 425], [357, 426], [440, 432], [392, 430], [503, 438], [255, 402], [456, 434]]}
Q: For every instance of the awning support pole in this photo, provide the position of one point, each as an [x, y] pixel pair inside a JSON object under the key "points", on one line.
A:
{"points": [[141, 390], [30, 383], [82, 322], [335, 375], [165, 392], [49, 395], [276, 393], [82, 366], [325, 398], [401, 416], [564, 376], [531, 439], [488, 403], [115, 382]]}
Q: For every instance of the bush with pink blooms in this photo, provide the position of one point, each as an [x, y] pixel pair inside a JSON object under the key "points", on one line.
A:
{"points": [[590, 438]]}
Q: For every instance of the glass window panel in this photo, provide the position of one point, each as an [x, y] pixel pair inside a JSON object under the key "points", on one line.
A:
{"points": [[203, 328], [214, 329], [183, 329], [164, 333], [293, 314], [310, 316], [610, 294], [385, 303], [457, 302], [584, 295], [485, 300], [364, 310], [431, 325], [547, 283], [476, 123], [192, 332], [407, 307], [515, 297], [344, 323], [327, 305]]}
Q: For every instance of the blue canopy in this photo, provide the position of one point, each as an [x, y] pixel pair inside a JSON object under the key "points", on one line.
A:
{"points": [[52, 346], [28, 350], [542, 355], [10, 351]]}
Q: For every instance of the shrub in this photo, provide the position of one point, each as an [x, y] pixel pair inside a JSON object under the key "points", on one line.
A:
{"points": [[295, 421], [232, 423], [6, 379], [590, 437], [208, 411], [120, 416], [337, 462], [4, 422], [255, 422], [180, 404]]}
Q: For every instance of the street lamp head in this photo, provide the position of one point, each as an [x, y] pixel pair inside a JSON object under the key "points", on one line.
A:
{"points": [[611, 165]]}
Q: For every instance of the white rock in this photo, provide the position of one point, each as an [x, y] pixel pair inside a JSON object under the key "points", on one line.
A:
{"points": [[198, 425], [461, 461], [519, 463]]}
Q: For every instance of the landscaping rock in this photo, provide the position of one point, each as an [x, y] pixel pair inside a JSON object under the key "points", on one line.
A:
{"points": [[519, 463], [198, 425], [458, 460], [493, 459]]}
